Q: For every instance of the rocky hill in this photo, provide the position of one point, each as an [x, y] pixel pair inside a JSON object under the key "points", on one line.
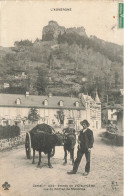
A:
{"points": [[53, 30], [65, 62]]}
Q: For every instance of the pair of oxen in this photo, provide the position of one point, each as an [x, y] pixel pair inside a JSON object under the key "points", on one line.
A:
{"points": [[43, 138]]}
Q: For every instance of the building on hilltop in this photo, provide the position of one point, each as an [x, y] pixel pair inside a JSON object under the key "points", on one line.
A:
{"points": [[53, 110]]}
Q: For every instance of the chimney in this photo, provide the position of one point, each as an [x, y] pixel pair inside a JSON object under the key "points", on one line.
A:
{"points": [[27, 94]]}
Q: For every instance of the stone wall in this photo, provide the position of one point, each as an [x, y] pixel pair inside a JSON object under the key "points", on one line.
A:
{"points": [[8, 144]]}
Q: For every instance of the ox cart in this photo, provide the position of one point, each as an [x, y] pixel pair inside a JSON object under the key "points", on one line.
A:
{"points": [[43, 138], [37, 129]]}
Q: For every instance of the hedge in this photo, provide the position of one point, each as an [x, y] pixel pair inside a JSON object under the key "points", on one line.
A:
{"points": [[9, 132]]}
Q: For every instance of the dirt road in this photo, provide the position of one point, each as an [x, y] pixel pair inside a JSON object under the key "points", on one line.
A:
{"points": [[26, 179]]}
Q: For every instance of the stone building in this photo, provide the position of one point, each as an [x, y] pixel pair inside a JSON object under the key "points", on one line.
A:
{"points": [[53, 110]]}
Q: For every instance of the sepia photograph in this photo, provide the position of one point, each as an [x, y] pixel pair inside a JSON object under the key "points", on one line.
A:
{"points": [[61, 98]]}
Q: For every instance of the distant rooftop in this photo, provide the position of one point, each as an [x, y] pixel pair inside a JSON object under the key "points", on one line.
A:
{"points": [[10, 100]]}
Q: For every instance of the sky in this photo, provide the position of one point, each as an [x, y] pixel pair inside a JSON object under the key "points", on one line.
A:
{"points": [[20, 20]]}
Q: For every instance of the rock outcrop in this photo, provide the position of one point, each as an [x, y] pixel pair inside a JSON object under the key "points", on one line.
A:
{"points": [[52, 31]]}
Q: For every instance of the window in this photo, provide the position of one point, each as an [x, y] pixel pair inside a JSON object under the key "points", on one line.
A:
{"points": [[70, 122], [94, 114], [61, 103], [45, 102], [78, 113], [70, 114], [77, 104], [18, 101]]}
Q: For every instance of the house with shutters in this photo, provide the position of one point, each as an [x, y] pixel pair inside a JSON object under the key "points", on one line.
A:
{"points": [[53, 110]]}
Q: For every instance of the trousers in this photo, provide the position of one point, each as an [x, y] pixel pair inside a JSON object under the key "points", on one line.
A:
{"points": [[78, 160]]}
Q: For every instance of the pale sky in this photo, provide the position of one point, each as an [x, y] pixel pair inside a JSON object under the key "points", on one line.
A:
{"points": [[21, 20]]}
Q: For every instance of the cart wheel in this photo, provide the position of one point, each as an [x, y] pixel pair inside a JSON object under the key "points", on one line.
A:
{"points": [[28, 146], [53, 152]]}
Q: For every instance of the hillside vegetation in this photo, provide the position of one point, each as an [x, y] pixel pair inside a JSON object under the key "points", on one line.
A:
{"points": [[63, 62]]}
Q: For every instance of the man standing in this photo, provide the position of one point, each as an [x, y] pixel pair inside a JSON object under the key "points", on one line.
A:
{"points": [[85, 141]]}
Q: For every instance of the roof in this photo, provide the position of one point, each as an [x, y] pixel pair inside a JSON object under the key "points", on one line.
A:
{"points": [[9, 100], [115, 106], [97, 100], [87, 97]]}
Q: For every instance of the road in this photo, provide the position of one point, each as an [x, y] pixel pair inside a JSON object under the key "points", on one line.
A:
{"points": [[26, 179]]}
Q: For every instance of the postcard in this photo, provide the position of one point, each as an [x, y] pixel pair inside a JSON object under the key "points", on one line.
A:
{"points": [[61, 98]]}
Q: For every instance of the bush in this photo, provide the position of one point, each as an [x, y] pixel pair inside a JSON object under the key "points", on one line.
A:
{"points": [[112, 139], [9, 132]]}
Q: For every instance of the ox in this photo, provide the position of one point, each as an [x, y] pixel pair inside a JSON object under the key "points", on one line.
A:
{"points": [[43, 140], [69, 143]]}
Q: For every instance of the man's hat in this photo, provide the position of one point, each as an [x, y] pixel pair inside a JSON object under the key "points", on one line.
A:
{"points": [[86, 122]]}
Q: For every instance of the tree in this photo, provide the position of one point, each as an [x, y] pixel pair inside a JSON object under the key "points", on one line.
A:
{"points": [[104, 117], [33, 115], [41, 82], [51, 61], [116, 79], [23, 43]]}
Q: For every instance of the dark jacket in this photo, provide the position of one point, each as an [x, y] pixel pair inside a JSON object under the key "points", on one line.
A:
{"points": [[86, 140]]}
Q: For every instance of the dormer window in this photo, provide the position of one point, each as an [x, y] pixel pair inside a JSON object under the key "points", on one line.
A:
{"points": [[77, 104], [61, 103], [18, 101], [45, 102]]}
